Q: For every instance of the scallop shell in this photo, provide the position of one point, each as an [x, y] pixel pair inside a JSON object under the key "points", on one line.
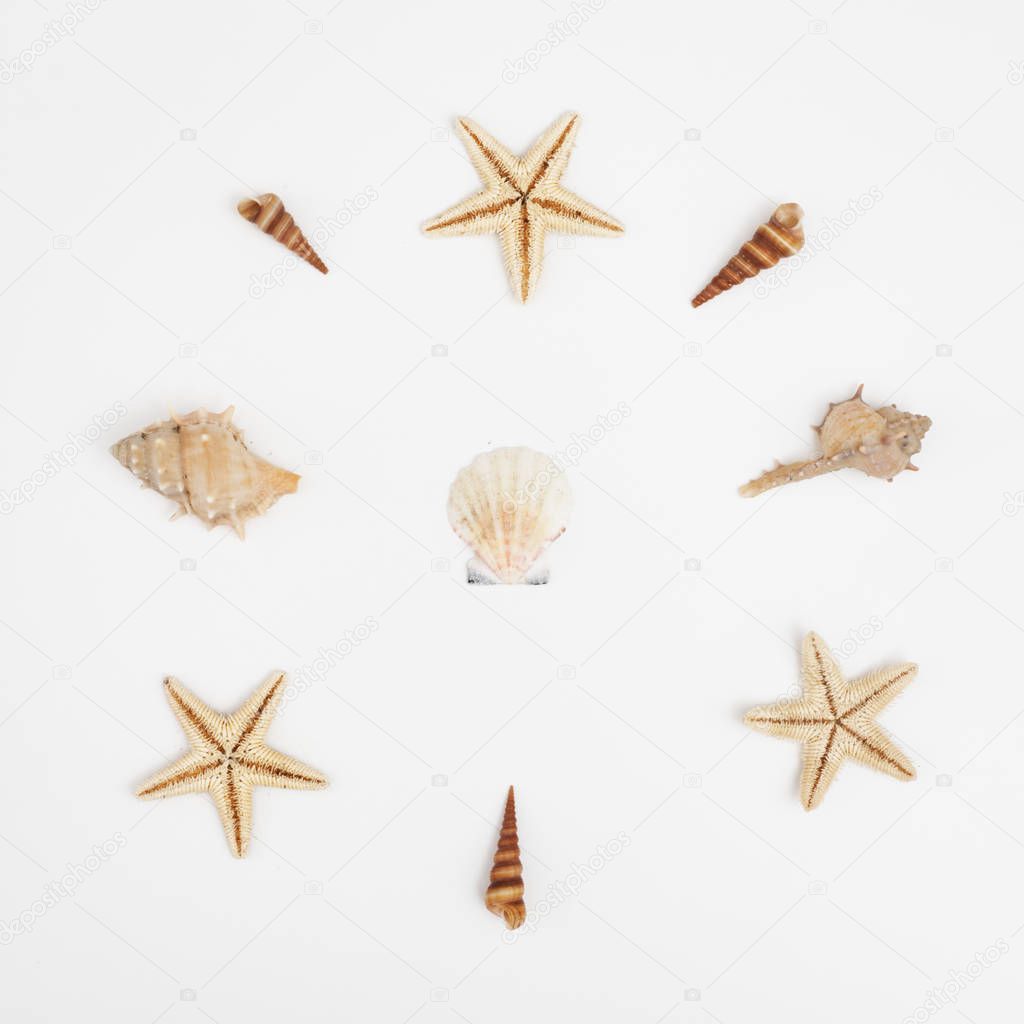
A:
{"points": [[781, 236], [508, 505], [269, 215], [879, 442], [201, 462], [505, 893]]}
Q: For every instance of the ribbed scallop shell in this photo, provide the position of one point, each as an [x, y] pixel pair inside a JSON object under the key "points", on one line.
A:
{"points": [[508, 505], [782, 236], [505, 893], [201, 462]]}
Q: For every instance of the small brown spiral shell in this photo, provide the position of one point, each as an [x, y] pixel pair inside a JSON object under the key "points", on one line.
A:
{"points": [[269, 215], [782, 236], [505, 893]]}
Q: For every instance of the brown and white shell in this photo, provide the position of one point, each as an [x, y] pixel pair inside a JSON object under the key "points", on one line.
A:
{"points": [[269, 215], [879, 442], [508, 505], [201, 462], [504, 895], [782, 236]]}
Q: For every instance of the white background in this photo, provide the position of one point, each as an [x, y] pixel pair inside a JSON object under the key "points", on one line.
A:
{"points": [[126, 277]]}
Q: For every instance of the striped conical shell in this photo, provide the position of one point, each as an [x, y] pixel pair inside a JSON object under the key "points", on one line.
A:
{"points": [[508, 505], [269, 215], [782, 236], [201, 462], [505, 893]]}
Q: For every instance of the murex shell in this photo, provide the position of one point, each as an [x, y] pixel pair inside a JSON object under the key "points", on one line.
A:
{"points": [[508, 505], [879, 442], [201, 462]]}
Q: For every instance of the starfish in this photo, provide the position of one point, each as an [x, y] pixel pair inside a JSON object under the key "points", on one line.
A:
{"points": [[523, 199], [835, 720], [228, 758]]}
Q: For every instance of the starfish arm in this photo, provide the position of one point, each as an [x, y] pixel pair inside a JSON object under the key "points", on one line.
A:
{"points": [[204, 727], [522, 241], [192, 773], [264, 766], [249, 724], [232, 796], [483, 214], [822, 680], [800, 719], [566, 212], [871, 693], [546, 161], [870, 744], [822, 757], [495, 164]]}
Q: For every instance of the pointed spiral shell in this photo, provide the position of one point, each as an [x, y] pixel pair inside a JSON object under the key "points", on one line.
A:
{"points": [[269, 215], [782, 236], [505, 893]]}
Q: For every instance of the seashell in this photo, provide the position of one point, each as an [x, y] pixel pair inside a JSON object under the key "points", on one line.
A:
{"points": [[201, 462], [781, 236], [508, 505], [505, 893], [879, 442], [269, 215]]}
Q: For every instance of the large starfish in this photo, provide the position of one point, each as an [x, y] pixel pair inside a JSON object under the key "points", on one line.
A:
{"points": [[523, 199], [228, 758], [836, 720]]}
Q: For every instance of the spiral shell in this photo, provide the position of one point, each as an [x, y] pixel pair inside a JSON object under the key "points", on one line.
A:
{"points": [[269, 215], [508, 505], [201, 462], [505, 893], [782, 236], [879, 442]]}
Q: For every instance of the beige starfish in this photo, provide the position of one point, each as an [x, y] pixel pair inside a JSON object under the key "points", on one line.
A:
{"points": [[836, 719], [523, 200], [228, 758]]}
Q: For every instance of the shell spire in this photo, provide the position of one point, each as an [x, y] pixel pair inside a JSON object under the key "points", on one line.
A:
{"points": [[505, 893], [879, 442], [782, 236], [269, 215]]}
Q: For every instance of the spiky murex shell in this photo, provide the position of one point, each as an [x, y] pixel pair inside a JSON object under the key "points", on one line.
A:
{"points": [[201, 461]]}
